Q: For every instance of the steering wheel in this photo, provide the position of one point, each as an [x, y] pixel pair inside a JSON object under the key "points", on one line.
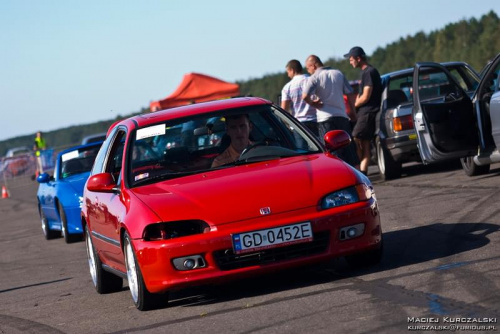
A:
{"points": [[252, 146]]}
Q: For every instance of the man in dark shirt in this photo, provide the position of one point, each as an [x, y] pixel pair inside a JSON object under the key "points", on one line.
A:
{"points": [[367, 105]]}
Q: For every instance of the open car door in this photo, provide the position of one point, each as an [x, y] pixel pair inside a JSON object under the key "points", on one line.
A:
{"points": [[443, 115]]}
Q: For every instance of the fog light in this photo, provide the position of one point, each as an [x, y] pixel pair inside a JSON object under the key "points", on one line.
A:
{"points": [[352, 231], [189, 262]]}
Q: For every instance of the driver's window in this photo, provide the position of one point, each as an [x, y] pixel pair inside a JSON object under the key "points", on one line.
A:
{"points": [[459, 79], [115, 156], [494, 79]]}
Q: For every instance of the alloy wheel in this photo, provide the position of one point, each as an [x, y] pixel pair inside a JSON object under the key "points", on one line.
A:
{"points": [[91, 259], [131, 272]]}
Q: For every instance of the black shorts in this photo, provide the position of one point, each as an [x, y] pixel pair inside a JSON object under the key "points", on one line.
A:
{"points": [[365, 126]]}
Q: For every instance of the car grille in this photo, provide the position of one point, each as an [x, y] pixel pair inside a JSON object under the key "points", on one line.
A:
{"points": [[227, 260]]}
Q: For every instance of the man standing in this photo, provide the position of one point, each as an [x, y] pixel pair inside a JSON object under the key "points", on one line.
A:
{"points": [[367, 104], [329, 85], [38, 146], [291, 97]]}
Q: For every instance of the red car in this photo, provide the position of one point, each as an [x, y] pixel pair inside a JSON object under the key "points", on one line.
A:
{"points": [[169, 216]]}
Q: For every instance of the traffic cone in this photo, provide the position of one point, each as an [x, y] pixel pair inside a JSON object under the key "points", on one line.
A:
{"points": [[5, 192]]}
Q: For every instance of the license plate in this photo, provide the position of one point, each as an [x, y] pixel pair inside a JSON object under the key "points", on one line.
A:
{"points": [[272, 237]]}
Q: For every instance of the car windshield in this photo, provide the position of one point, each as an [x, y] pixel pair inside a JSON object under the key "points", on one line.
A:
{"points": [[203, 143], [433, 84], [78, 161]]}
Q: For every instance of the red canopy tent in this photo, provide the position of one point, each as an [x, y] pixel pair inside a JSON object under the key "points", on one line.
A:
{"points": [[196, 88]]}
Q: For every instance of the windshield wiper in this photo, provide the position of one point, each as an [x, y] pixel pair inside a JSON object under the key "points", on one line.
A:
{"points": [[165, 176]]}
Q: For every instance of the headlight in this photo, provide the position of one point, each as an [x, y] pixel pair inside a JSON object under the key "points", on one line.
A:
{"points": [[170, 230], [360, 192]]}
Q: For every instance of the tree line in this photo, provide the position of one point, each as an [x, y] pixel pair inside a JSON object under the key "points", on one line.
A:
{"points": [[474, 41]]}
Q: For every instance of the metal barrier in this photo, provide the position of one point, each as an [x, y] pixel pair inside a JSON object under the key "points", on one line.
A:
{"points": [[19, 171]]}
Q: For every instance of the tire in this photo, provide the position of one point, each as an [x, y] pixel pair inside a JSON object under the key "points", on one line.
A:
{"points": [[389, 169], [471, 169], [366, 259], [47, 232], [143, 299], [68, 238], [103, 281]]}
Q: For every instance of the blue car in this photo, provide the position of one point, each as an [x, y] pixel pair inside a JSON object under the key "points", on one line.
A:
{"points": [[60, 196]]}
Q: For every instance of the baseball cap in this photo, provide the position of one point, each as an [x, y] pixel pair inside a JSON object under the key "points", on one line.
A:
{"points": [[356, 51]]}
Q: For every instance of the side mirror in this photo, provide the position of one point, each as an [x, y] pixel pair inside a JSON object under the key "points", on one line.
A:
{"points": [[101, 183], [43, 178], [336, 139]]}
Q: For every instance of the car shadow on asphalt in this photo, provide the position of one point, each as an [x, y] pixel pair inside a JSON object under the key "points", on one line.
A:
{"points": [[401, 248]]}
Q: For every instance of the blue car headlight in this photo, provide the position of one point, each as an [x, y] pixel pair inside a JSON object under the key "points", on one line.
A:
{"points": [[360, 192]]}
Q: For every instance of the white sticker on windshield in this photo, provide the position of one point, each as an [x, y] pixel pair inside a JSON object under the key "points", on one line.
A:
{"points": [[141, 176], [151, 131], [69, 156]]}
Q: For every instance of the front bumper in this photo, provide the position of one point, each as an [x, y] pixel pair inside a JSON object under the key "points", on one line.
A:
{"points": [[155, 258], [73, 217]]}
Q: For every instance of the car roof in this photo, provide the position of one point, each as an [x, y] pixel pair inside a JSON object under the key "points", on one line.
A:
{"points": [[193, 109], [96, 137], [410, 69], [72, 148]]}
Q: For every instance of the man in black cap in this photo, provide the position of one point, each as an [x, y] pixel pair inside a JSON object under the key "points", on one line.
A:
{"points": [[367, 105]]}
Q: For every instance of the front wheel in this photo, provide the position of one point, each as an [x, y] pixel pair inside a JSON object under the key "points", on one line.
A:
{"points": [[471, 169], [143, 299], [103, 281], [388, 167]]}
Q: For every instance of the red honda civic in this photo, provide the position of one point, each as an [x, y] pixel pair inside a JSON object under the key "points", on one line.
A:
{"points": [[221, 190]]}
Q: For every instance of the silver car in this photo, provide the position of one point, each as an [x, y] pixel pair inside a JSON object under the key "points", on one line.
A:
{"points": [[396, 139], [459, 125]]}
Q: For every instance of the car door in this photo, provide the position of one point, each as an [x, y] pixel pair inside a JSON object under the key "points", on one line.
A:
{"points": [[109, 208], [488, 99], [443, 115]]}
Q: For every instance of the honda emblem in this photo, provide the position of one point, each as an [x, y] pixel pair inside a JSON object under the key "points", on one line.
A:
{"points": [[265, 211]]}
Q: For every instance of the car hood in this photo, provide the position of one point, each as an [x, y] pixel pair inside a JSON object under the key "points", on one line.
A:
{"points": [[238, 193]]}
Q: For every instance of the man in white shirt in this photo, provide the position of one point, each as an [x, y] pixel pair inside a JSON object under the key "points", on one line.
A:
{"points": [[291, 96], [330, 85]]}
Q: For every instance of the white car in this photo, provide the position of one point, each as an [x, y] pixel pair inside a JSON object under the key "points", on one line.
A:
{"points": [[94, 138], [18, 151]]}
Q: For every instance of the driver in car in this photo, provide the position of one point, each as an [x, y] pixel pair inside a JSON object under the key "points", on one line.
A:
{"points": [[238, 128]]}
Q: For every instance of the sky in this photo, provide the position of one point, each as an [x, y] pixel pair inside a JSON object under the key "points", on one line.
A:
{"points": [[69, 62]]}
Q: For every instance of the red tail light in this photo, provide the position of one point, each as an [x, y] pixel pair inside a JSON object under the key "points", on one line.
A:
{"points": [[402, 123]]}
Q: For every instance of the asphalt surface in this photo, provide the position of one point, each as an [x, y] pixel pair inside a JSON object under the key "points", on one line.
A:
{"points": [[441, 262]]}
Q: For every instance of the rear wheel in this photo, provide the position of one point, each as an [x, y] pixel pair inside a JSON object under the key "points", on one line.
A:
{"points": [[143, 299], [68, 238], [389, 169], [103, 281], [471, 169], [47, 232]]}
